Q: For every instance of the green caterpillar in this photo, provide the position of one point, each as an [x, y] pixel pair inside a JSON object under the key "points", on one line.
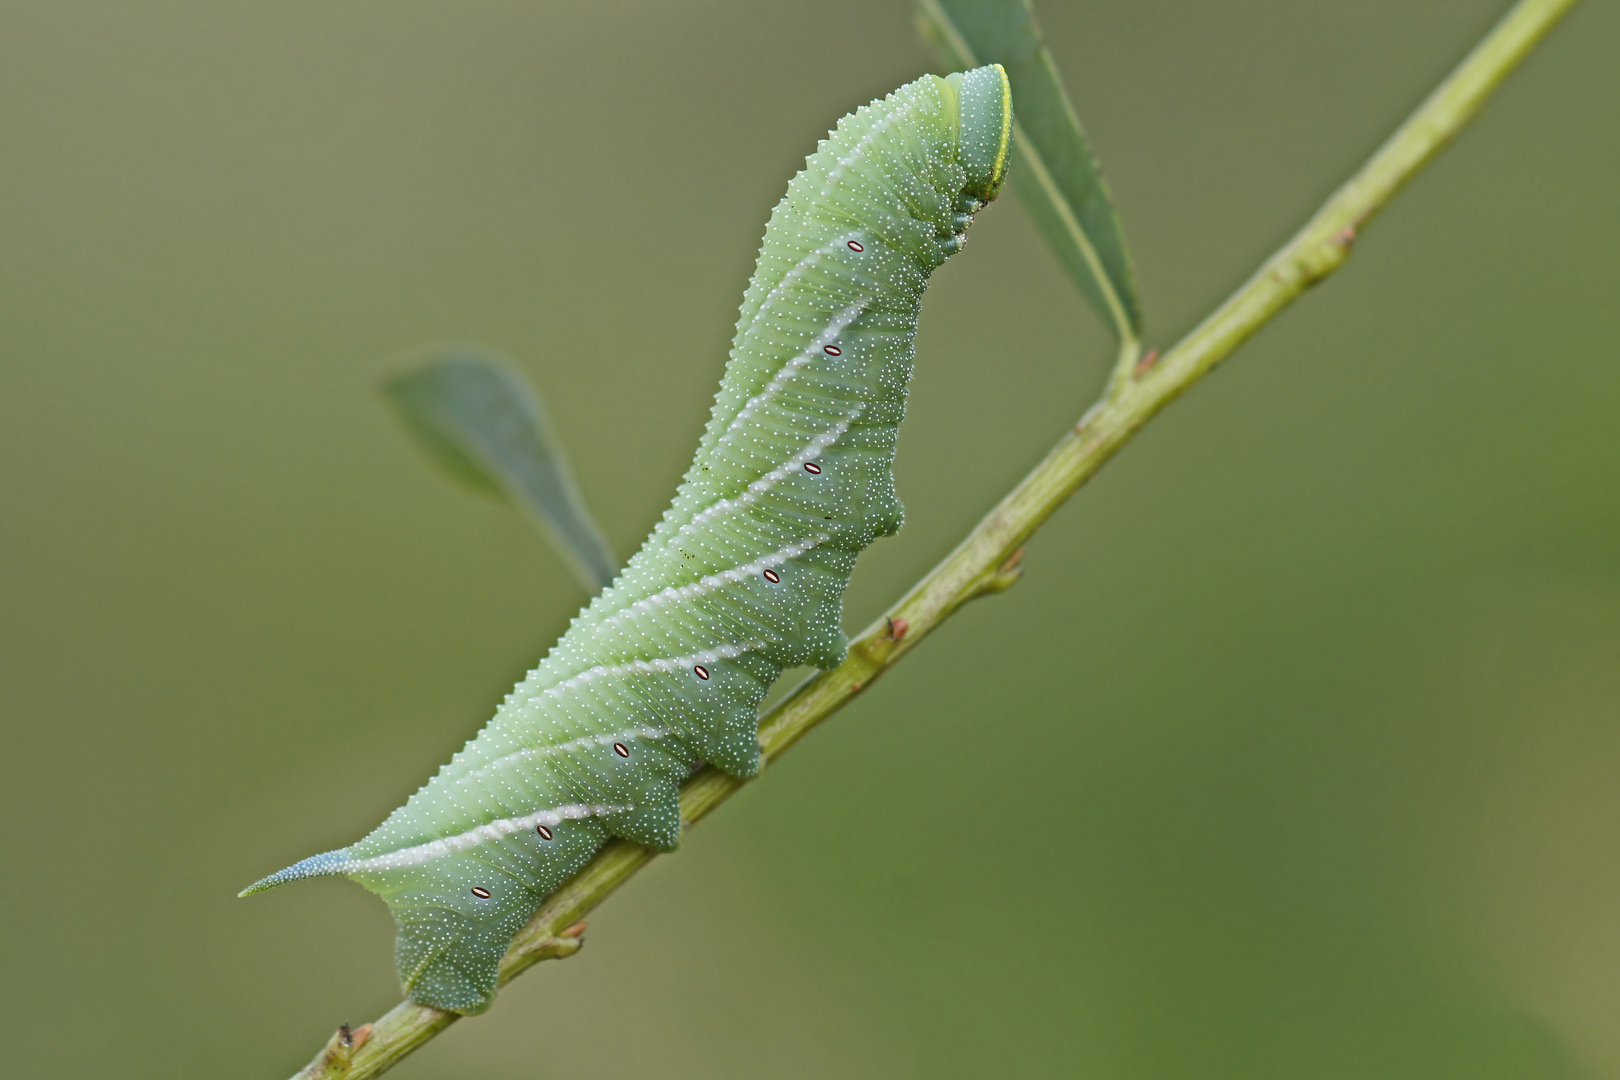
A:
{"points": [[744, 575]]}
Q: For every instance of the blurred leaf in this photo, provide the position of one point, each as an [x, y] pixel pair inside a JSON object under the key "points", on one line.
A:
{"points": [[478, 419], [1054, 170]]}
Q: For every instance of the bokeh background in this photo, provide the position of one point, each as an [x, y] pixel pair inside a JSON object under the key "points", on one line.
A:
{"points": [[1295, 755]]}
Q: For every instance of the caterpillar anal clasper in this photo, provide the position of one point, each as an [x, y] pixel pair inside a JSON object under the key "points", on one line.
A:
{"points": [[743, 577]]}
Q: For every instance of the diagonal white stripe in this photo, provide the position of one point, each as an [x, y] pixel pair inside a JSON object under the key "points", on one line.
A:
{"points": [[652, 667], [795, 272], [813, 449], [634, 734], [494, 830], [710, 583], [791, 369]]}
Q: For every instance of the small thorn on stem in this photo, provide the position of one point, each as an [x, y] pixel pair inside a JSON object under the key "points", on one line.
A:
{"points": [[1345, 236], [360, 1035], [1144, 363], [551, 947], [1005, 577], [898, 628]]}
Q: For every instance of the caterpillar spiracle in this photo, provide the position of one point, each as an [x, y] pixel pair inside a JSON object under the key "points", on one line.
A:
{"points": [[744, 575]]}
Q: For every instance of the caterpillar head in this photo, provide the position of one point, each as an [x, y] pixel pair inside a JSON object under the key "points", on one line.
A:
{"points": [[984, 109]]}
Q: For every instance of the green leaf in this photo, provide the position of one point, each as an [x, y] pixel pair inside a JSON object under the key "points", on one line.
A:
{"points": [[478, 420], [1053, 168]]}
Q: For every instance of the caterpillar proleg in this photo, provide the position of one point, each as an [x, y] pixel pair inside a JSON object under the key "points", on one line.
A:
{"points": [[743, 577]]}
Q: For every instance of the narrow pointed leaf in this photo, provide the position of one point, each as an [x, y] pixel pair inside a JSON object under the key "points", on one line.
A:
{"points": [[488, 430], [1054, 171]]}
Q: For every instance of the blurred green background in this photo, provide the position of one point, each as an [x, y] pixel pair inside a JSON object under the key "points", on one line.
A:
{"points": [[1295, 755]]}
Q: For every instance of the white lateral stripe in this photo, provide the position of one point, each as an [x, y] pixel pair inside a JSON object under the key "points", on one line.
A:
{"points": [[634, 734], [495, 830], [631, 735], [711, 582], [812, 449], [791, 369], [794, 273], [653, 667]]}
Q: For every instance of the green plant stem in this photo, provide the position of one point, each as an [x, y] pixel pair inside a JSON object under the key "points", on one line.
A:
{"points": [[986, 561]]}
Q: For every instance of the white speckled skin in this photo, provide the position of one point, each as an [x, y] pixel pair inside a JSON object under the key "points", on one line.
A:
{"points": [[743, 577]]}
